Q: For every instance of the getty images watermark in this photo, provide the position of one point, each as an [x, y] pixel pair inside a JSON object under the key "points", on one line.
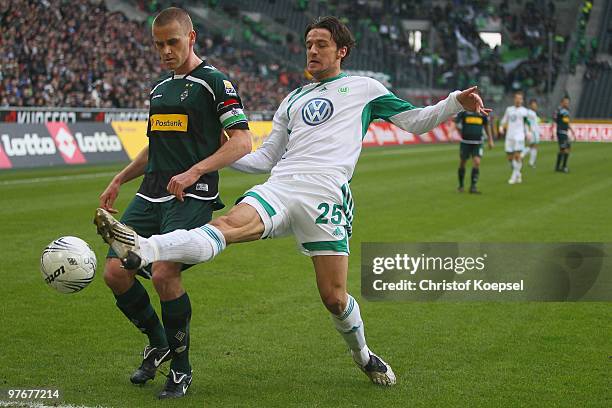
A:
{"points": [[487, 271]]}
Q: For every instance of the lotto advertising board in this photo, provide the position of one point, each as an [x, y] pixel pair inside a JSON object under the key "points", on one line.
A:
{"points": [[58, 143]]}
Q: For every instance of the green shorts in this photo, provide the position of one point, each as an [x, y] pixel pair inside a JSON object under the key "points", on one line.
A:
{"points": [[467, 150], [563, 141], [148, 218]]}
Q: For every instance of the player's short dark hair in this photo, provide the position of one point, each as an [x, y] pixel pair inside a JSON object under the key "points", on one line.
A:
{"points": [[518, 93], [340, 33], [566, 97], [532, 100], [171, 14]]}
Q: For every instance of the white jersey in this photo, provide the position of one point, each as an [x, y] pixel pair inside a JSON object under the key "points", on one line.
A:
{"points": [[319, 128], [534, 123], [515, 119]]}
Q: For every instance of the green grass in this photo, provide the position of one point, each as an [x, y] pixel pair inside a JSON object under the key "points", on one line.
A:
{"points": [[260, 335]]}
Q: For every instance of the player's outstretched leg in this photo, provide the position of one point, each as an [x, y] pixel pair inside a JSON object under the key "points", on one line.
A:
{"points": [[187, 247], [331, 274], [119, 236]]}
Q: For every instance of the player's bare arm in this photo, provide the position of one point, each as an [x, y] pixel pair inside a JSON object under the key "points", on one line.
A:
{"points": [[130, 172], [238, 145], [489, 132]]}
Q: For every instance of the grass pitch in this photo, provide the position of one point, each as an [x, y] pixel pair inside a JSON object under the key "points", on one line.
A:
{"points": [[260, 335]]}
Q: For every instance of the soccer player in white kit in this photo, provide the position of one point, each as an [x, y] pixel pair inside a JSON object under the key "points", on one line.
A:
{"points": [[514, 124], [311, 152], [534, 124]]}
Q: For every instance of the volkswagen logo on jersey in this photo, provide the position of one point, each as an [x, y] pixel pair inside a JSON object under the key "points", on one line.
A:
{"points": [[317, 111]]}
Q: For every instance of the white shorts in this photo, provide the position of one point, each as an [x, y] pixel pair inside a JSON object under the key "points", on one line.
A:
{"points": [[514, 145], [317, 209]]}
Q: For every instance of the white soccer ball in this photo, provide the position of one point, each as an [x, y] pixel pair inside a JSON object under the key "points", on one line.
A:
{"points": [[68, 264]]}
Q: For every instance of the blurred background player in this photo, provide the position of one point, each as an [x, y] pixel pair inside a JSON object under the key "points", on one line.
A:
{"points": [[472, 125], [534, 124], [514, 125], [561, 119], [190, 106]]}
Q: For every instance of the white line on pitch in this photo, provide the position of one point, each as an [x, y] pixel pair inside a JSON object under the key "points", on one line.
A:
{"points": [[56, 178]]}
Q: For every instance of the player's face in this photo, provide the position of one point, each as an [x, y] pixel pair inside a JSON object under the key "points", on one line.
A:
{"points": [[533, 106], [565, 103], [174, 45], [322, 54], [518, 100]]}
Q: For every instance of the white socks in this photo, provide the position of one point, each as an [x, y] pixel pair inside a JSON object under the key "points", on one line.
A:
{"points": [[350, 327], [516, 168], [188, 247], [533, 154]]}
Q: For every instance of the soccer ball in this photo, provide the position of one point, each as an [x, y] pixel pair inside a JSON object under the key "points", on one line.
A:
{"points": [[68, 264]]}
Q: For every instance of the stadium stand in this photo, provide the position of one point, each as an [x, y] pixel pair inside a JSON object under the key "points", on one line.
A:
{"points": [[58, 53], [596, 100]]}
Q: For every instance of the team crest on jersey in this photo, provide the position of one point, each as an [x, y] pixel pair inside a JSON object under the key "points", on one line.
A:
{"points": [[229, 88], [185, 93], [317, 111], [343, 90]]}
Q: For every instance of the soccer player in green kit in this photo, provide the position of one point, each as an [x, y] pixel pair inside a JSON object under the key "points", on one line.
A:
{"points": [[472, 124], [190, 108], [562, 121]]}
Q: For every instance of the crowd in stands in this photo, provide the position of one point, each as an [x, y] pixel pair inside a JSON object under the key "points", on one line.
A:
{"points": [[79, 54], [522, 63]]}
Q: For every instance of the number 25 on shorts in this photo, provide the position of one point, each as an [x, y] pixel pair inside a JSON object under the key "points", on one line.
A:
{"points": [[336, 214]]}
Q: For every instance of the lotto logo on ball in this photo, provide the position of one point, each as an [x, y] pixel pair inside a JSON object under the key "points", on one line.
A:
{"points": [[68, 265]]}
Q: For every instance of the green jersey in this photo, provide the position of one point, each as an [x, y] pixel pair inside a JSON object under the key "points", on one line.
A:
{"points": [[471, 126], [187, 116], [562, 119]]}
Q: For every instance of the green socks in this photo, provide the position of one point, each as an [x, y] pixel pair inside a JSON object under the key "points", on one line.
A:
{"points": [[136, 306], [176, 315]]}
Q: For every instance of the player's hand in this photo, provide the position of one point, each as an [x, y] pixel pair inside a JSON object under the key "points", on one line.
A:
{"points": [[471, 101], [108, 197], [180, 182]]}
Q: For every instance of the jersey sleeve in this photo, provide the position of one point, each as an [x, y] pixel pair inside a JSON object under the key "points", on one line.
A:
{"points": [[228, 104], [459, 117], [271, 150], [385, 105], [504, 119], [417, 120]]}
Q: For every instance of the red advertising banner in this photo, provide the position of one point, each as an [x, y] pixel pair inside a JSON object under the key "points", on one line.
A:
{"points": [[65, 142], [5, 163], [585, 132], [387, 134]]}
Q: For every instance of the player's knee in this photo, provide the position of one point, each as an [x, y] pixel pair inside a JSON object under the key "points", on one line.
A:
{"points": [[166, 275], [116, 278], [334, 301]]}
